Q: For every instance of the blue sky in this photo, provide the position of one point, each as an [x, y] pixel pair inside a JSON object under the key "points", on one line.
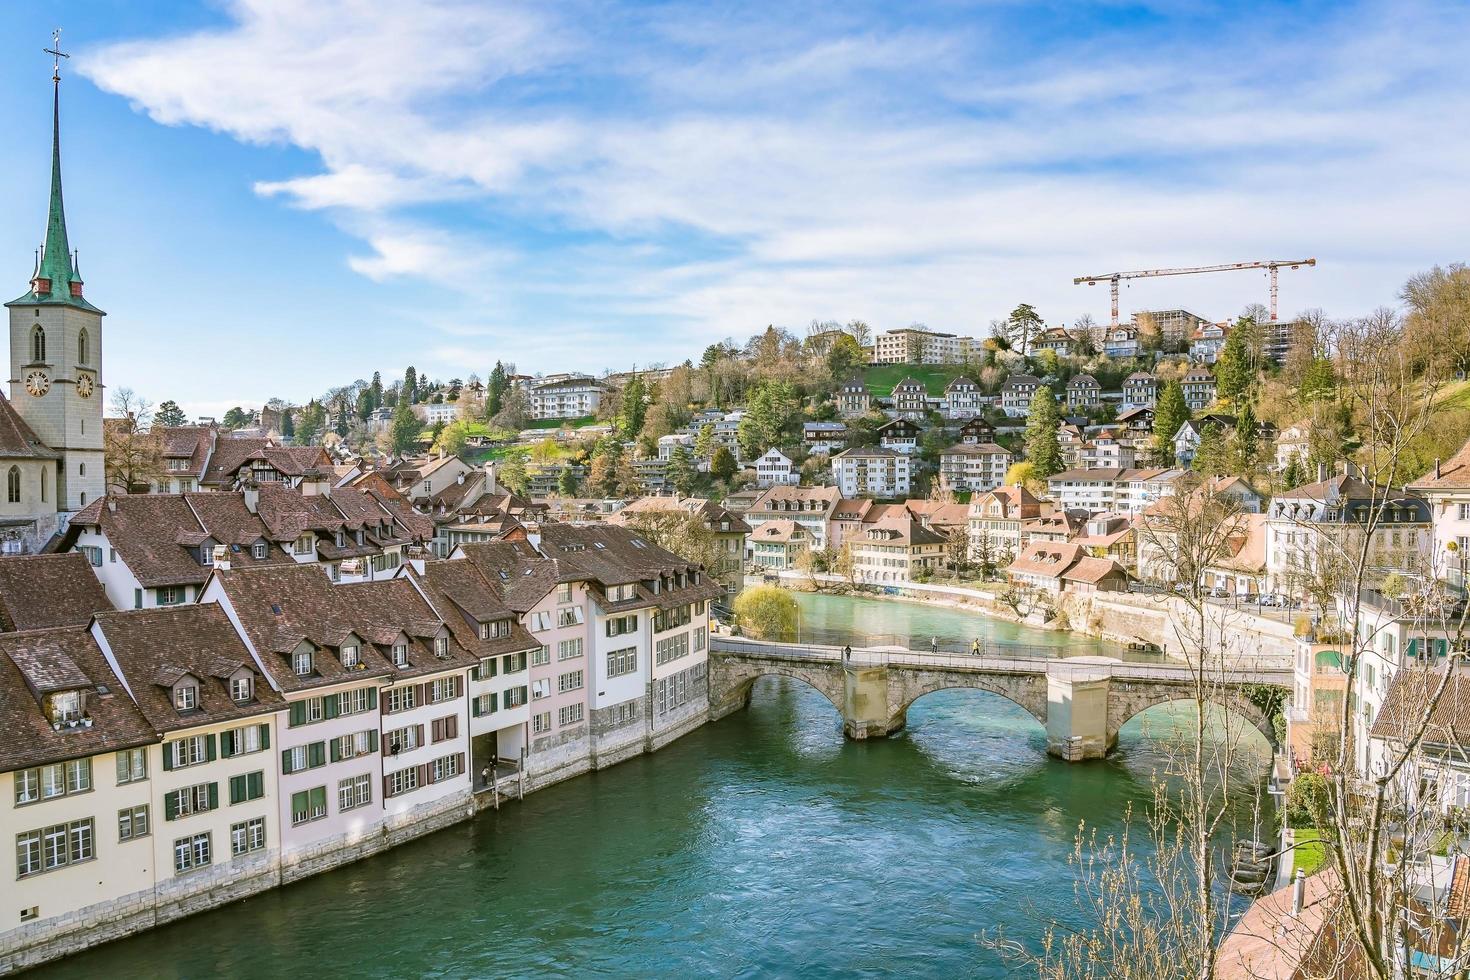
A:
{"points": [[273, 197]]}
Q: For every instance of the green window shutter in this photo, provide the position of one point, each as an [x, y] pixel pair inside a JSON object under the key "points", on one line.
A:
{"points": [[372, 741], [237, 789], [494, 698], [331, 706], [138, 604], [372, 698], [319, 798], [209, 748], [298, 713], [213, 795], [168, 756], [298, 802], [265, 736], [286, 761], [316, 755], [226, 744], [255, 785], [171, 805], [336, 752]]}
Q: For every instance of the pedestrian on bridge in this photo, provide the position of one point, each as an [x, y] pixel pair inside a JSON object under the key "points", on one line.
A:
{"points": [[847, 653], [933, 644], [975, 647]]}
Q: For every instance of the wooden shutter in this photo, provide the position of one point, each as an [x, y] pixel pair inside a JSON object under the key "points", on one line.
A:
{"points": [[452, 724], [255, 785], [299, 803], [168, 757], [372, 698], [461, 767], [298, 713], [372, 741], [227, 744], [387, 788], [286, 762], [319, 796], [426, 775], [316, 755], [265, 736], [238, 789], [171, 805], [332, 705], [336, 751], [209, 748], [214, 796], [420, 738]]}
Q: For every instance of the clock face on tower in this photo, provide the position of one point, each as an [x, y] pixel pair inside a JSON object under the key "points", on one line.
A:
{"points": [[84, 385], [37, 383]]}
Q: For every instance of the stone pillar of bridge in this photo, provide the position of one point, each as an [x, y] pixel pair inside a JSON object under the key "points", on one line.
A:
{"points": [[1077, 707], [865, 702]]}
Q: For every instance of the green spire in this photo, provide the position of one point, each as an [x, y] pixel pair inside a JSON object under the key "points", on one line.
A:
{"points": [[56, 254], [57, 264]]}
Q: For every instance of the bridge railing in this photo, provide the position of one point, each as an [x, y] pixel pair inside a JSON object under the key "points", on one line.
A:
{"points": [[1246, 671]]}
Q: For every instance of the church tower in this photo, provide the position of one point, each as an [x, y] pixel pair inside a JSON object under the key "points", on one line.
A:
{"points": [[56, 350]]}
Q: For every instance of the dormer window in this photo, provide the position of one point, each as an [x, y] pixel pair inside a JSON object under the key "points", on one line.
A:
{"points": [[400, 654], [351, 655], [206, 554], [341, 539], [242, 689], [305, 544], [484, 631], [302, 662], [361, 536], [441, 647], [186, 697], [66, 706], [259, 550]]}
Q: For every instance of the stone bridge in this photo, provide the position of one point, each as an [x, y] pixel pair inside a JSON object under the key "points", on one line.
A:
{"points": [[1081, 701]]}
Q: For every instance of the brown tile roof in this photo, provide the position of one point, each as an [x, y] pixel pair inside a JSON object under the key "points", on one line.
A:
{"points": [[151, 646], [1452, 474], [144, 529], [851, 510], [17, 439], [1047, 558], [186, 441], [280, 607], [42, 591], [1093, 570], [72, 655], [1409, 695], [520, 575], [232, 452], [778, 532], [464, 599], [1269, 943], [902, 530], [225, 518]]}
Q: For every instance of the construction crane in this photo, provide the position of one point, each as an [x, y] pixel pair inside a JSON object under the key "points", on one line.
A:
{"points": [[1272, 265]]}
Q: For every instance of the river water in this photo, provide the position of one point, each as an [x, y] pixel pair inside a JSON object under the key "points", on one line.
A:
{"points": [[762, 845]]}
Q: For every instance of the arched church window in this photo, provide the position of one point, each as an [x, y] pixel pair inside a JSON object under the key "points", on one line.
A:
{"points": [[84, 348], [12, 485], [38, 345]]}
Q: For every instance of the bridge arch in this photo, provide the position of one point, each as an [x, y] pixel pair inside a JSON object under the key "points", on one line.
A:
{"points": [[730, 684], [1127, 701], [1028, 691]]}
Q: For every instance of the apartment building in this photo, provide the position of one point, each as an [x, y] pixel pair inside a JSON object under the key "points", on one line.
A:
{"points": [[1140, 390], [775, 469], [918, 345], [974, 466], [853, 399], [811, 507], [776, 545], [1446, 490], [962, 399], [1121, 342], [995, 521], [1054, 339], [910, 399], [1083, 393], [871, 472], [900, 435], [1174, 326], [568, 396], [1015, 394], [1199, 389], [896, 549], [824, 438]]}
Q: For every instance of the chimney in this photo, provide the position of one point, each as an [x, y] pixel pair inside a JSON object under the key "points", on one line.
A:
{"points": [[252, 498], [111, 503], [1321, 472], [1298, 893], [1436, 467], [491, 486]]}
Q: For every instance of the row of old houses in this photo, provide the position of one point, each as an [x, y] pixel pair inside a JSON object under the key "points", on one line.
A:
{"points": [[276, 721]]}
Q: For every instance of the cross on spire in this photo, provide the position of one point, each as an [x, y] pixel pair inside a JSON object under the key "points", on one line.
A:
{"points": [[56, 55]]}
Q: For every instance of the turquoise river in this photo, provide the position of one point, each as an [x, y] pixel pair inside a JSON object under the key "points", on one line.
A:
{"points": [[764, 845]]}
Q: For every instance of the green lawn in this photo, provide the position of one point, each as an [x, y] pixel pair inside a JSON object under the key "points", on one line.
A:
{"points": [[1310, 852], [477, 456], [881, 379], [562, 423]]}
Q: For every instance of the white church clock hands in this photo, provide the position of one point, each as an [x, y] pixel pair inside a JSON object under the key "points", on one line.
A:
{"points": [[37, 383]]}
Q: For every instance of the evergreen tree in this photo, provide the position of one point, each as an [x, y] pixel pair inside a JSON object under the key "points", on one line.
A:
{"points": [[288, 422], [512, 474], [566, 481], [722, 464], [495, 391], [403, 433], [364, 404], [1170, 413], [410, 385], [1245, 443], [312, 424], [704, 443], [602, 475], [1233, 367], [1210, 456], [235, 418], [1023, 324], [845, 358], [771, 407], [375, 391], [169, 414], [681, 470], [1291, 477], [1042, 422], [634, 407]]}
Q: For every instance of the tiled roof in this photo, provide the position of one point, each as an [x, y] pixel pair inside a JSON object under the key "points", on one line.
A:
{"points": [[1410, 693], [17, 439], [144, 530], [231, 453], [520, 575], [464, 598], [778, 532], [152, 645], [1048, 558], [1093, 570], [900, 530], [42, 591], [1452, 474], [29, 738], [976, 449], [186, 441]]}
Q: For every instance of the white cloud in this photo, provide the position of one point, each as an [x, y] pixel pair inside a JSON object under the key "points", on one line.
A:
{"points": [[719, 170]]}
